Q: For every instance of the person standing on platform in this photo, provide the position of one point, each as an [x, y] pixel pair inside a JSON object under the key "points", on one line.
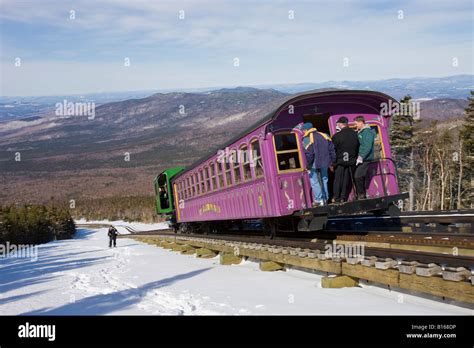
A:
{"points": [[320, 156], [346, 145], [366, 154]]}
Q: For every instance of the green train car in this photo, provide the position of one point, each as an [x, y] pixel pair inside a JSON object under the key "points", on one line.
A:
{"points": [[164, 197]]}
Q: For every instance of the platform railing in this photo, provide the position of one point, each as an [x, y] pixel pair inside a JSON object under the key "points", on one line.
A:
{"points": [[381, 173]]}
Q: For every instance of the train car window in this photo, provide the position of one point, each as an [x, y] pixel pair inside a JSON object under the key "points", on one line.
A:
{"points": [[196, 184], [202, 188], [286, 142], [227, 172], [188, 188], [210, 186], [163, 191], [212, 175], [207, 178], [257, 158], [200, 183], [185, 183], [219, 174], [287, 152], [236, 166], [244, 154], [378, 150]]}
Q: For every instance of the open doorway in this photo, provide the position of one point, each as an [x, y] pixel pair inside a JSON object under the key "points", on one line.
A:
{"points": [[320, 121], [163, 191]]}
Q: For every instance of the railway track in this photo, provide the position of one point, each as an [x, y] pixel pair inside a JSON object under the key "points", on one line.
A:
{"points": [[452, 222], [320, 245], [446, 249]]}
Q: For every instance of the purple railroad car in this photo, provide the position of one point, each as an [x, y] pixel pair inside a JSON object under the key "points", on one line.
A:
{"points": [[261, 173]]}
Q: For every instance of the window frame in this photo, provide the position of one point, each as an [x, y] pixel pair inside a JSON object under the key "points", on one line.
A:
{"points": [[244, 149], [260, 157], [298, 150], [227, 170], [220, 174], [188, 188], [234, 168], [206, 179], [196, 183], [201, 183], [212, 175]]}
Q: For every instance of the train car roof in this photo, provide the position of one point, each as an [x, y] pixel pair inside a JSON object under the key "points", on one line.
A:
{"points": [[172, 172], [378, 96]]}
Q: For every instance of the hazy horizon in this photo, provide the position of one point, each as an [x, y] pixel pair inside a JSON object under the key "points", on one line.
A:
{"points": [[212, 88]]}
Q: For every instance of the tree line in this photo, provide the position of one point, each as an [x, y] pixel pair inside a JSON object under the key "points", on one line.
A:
{"points": [[435, 162], [34, 224]]}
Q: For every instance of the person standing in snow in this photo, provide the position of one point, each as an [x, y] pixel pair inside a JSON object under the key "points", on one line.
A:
{"points": [[112, 236]]}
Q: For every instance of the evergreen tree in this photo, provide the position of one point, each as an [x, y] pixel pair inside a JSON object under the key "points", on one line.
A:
{"points": [[466, 148], [34, 224], [402, 147]]}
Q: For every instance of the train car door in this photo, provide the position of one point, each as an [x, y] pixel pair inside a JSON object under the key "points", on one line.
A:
{"points": [[162, 188], [382, 179], [290, 172]]}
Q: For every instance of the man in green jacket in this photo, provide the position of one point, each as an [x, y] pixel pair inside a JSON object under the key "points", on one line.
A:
{"points": [[366, 154]]}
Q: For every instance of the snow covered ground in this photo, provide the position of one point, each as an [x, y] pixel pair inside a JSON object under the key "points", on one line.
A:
{"points": [[83, 276]]}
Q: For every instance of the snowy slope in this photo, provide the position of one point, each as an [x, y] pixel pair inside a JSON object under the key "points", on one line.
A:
{"points": [[83, 276]]}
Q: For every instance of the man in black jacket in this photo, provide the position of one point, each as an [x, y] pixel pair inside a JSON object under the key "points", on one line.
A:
{"points": [[112, 236], [347, 148]]}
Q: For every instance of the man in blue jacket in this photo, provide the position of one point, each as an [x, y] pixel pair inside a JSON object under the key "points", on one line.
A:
{"points": [[366, 154], [320, 155]]}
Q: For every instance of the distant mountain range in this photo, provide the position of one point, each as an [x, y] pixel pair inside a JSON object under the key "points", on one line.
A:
{"points": [[81, 157], [454, 87], [76, 157]]}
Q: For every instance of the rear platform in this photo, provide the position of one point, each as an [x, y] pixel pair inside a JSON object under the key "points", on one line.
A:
{"points": [[314, 219]]}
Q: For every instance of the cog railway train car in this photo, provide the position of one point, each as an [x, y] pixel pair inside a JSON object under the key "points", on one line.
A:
{"points": [[261, 175]]}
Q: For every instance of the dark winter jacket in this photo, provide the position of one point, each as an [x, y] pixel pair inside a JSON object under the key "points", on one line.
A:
{"points": [[321, 152], [346, 144], [112, 232], [366, 143]]}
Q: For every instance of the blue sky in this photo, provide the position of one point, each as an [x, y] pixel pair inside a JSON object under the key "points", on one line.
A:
{"points": [[60, 55]]}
